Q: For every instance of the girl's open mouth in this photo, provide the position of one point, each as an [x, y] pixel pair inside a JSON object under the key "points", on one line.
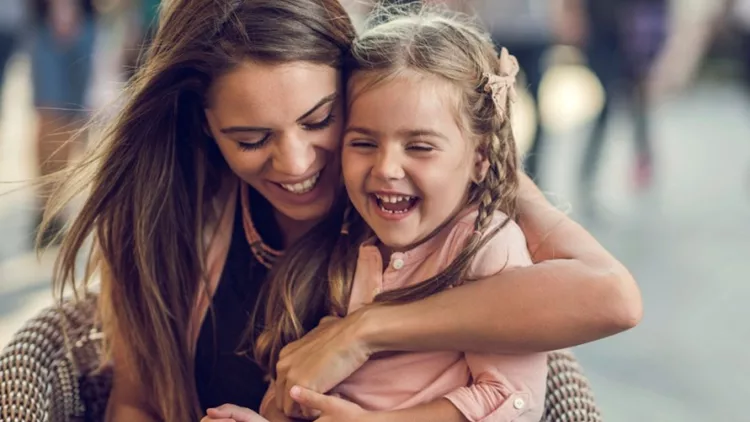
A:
{"points": [[396, 204]]}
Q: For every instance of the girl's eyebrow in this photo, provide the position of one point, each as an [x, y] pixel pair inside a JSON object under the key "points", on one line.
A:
{"points": [[406, 133], [418, 133]]}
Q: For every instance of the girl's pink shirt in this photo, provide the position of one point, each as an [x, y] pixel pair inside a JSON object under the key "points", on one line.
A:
{"points": [[484, 387]]}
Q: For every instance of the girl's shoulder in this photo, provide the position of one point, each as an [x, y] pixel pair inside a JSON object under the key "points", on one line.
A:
{"points": [[464, 226], [506, 247]]}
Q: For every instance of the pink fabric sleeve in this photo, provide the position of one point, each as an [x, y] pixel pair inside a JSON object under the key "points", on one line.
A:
{"points": [[504, 387]]}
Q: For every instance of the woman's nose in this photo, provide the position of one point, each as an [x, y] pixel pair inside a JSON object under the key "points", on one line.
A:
{"points": [[294, 156]]}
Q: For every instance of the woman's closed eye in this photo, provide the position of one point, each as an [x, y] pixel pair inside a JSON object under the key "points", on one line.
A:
{"points": [[321, 124], [250, 145]]}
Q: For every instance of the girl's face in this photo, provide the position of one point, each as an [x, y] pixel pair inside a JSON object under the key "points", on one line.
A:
{"points": [[278, 126], [407, 165]]}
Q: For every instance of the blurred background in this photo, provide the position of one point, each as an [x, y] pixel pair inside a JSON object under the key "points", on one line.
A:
{"points": [[634, 117]]}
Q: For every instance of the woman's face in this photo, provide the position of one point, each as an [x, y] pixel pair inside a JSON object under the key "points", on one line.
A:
{"points": [[278, 126]]}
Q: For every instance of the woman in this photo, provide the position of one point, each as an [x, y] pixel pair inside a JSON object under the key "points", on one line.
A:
{"points": [[246, 96]]}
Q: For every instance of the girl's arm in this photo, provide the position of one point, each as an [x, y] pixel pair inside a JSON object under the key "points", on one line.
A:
{"points": [[335, 409], [576, 293], [439, 410]]}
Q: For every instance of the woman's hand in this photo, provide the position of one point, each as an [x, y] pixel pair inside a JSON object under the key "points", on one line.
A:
{"points": [[321, 359], [232, 413], [330, 408]]}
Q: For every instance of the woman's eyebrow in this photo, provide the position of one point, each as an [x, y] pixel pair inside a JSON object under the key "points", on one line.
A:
{"points": [[325, 100], [241, 129]]}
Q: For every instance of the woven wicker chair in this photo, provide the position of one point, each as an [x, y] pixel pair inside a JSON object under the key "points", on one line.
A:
{"points": [[50, 372]]}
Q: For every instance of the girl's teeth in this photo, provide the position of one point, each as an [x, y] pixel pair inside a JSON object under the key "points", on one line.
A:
{"points": [[302, 187], [394, 211], [392, 199]]}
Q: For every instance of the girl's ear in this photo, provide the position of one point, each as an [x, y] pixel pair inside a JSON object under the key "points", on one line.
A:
{"points": [[481, 166]]}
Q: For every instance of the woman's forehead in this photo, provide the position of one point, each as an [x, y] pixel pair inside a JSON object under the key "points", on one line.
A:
{"points": [[269, 90]]}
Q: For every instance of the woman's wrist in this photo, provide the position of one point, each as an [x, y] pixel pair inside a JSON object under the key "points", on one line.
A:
{"points": [[371, 326]]}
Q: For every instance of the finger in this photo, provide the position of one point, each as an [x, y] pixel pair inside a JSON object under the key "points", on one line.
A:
{"points": [[328, 320], [292, 347], [309, 413], [311, 399], [213, 419], [279, 393], [218, 413], [235, 413], [291, 408]]}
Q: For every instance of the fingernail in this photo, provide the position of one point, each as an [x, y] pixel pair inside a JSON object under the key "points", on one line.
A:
{"points": [[295, 391]]}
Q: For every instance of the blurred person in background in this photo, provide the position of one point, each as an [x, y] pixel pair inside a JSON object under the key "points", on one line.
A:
{"points": [[528, 28], [624, 37], [694, 29], [61, 66], [144, 20], [742, 13], [11, 24]]}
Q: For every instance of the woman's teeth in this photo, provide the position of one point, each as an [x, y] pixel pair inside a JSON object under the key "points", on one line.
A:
{"points": [[302, 187]]}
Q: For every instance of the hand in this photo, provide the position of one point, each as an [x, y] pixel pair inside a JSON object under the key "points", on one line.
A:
{"points": [[330, 408], [232, 413], [320, 360]]}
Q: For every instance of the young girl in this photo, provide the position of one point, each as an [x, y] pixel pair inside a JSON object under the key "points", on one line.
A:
{"points": [[430, 165]]}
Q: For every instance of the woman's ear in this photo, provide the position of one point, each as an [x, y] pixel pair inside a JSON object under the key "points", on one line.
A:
{"points": [[481, 166]]}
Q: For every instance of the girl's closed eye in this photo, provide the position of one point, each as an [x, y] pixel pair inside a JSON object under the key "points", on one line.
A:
{"points": [[362, 143], [420, 147]]}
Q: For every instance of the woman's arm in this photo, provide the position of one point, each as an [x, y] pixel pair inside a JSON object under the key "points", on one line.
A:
{"points": [[576, 293], [126, 402]]}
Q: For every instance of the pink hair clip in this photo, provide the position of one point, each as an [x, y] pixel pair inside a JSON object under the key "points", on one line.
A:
{"points": [[502, 86]]}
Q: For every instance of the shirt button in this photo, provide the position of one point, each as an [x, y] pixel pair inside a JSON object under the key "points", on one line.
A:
{"points": [[519, 403], [397, 264]]}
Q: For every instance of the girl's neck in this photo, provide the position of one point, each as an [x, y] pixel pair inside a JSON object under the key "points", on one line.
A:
{"points": [[386, 251]]}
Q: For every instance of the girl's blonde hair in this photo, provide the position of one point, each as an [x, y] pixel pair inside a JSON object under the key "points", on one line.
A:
{"points": [[436, 44]]}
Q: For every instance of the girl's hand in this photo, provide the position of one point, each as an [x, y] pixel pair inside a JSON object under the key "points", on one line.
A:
{"points": [[321, 359], [232, 413], [331, 409]]}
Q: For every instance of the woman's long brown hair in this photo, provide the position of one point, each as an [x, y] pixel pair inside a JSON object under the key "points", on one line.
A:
{"points": [[314, 278], [151, 180]]}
